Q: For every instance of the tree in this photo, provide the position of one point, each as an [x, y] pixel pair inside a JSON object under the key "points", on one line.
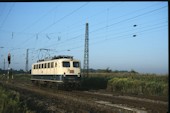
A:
{"points": [[108, 70], [133, 71]]}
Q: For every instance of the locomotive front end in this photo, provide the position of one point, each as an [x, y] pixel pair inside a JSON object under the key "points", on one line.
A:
{"points": [[71, 71]]}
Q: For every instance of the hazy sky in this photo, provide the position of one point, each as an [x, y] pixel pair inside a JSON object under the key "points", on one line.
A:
{"points": [[122, 35]]}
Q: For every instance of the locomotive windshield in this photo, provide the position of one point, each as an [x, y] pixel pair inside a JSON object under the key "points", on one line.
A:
{"points": [[75, 64], [66, 64]]}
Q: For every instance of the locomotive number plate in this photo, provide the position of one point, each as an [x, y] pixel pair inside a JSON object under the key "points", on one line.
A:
{"points": [[71, 71]]}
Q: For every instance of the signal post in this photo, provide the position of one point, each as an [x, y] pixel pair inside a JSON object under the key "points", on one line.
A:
{"points": [[9, 75]]}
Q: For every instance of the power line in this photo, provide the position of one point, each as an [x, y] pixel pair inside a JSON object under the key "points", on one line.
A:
{"points": [[38, 20], [127, 14], [118, 37], [106, 25], [117, 17], [114, 17], [7, 15], [94, 15], [113, 24], [65, 41], [90, 32], [60, 19], [65, 16], [35, 22], [139, 28], [93, 31], [128, 19], [2, 9]]}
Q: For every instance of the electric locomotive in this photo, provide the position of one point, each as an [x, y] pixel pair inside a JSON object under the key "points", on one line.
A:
{"points": [[60, 69]]}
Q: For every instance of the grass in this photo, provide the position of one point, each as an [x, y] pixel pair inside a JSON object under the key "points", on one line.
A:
{"points": [[10, 102], [132, 83]]}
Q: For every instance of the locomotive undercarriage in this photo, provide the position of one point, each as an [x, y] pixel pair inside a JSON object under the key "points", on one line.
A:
{"points": [[66, 82]]}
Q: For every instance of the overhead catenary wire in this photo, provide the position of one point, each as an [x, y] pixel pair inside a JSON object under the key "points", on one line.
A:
{"points": [[127, 31], [127, 14], [33, 34], [129, 34], [131, 18], [3, 8], [94, 15], [155, 26], [141, 31], [35, 22], [119, 37], [99, 28], [60, 19], [106, 26], [127, 19], [111, 38], [65, 16], [139, 28], [59, 42], [106, 10], [38, 20], [3, 22], [82, 25]]}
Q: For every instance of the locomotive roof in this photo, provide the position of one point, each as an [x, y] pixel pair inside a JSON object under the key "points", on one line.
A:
{"points": [[57, 57]]}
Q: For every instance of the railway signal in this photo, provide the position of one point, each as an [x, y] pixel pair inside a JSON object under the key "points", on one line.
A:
{"points": [[9, 58], [9, 61]]}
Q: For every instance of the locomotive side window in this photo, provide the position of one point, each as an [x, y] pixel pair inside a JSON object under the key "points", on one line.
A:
{"points": [[75, 64], [48, 65], [39, 66], [45, 65], [66, 64], [55, 64], [52, 64]]}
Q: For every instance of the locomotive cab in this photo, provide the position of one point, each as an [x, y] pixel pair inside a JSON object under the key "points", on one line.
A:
{"points": [[71, 70]]}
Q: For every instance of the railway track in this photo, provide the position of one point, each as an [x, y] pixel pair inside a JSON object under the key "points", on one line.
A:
{"points": [[94, 101]]}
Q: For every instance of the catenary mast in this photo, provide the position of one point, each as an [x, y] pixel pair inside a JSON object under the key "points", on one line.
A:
{"points": [[86, 52]]}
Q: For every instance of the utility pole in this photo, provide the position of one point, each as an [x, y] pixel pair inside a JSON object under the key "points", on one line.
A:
{"points": [[9, 62], [26, 66], [86, 52]]}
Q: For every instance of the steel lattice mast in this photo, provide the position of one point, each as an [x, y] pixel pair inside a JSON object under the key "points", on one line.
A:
{"points": [[86, 52]]}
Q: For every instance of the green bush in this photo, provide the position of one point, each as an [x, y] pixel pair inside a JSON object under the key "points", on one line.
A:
{"points": [[94, 83], [10, 102], [139, 84]]}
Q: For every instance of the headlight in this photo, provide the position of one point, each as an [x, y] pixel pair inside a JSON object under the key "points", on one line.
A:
{"points": [[78, 75], [64, 74]]}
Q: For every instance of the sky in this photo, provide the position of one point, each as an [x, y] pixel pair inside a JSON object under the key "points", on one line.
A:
{"points": [[122, 35]]}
